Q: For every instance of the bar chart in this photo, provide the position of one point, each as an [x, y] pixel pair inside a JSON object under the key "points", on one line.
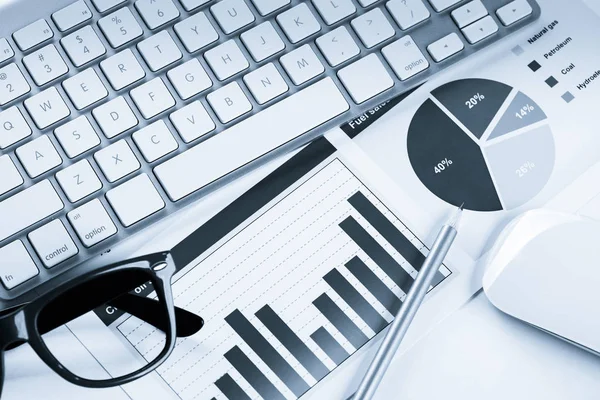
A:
{"points": [[292, 295]]}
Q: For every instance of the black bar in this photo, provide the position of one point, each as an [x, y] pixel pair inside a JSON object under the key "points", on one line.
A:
{"points": [[329, 345], [292, 342], [355, 300], [252, 374], [387, 230], [267, 352], [372, 282], [439, 277], [377, 253], [250, 202], [341, 321], [231, 389]]}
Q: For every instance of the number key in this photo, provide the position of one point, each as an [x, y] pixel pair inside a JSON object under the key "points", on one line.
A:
{"points": [[83, 46], [156, 13], [120, 27], [45, 65], [12, 84]]}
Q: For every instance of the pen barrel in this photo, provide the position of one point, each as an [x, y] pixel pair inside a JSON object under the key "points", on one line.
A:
{"points": [[398, 328]]}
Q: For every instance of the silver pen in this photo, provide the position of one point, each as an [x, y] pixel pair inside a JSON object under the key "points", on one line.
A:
{"points": [[410, 306]]}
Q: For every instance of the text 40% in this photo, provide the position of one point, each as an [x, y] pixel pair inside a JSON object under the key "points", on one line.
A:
{"points": [[442, 165]]}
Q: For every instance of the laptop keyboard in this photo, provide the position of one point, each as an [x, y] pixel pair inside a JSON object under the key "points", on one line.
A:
{"points": [[115, 113]]}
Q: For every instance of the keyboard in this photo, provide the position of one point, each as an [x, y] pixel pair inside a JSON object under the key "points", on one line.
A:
{"points": [[115, 113]]}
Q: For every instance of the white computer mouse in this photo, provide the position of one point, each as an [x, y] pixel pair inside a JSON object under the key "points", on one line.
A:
{"points": [[545, 270]]}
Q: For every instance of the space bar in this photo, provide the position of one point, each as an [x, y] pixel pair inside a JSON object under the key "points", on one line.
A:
{"points": [[251, 138]]}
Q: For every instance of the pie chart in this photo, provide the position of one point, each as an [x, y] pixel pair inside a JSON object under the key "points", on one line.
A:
{"points": [[481, 143]]}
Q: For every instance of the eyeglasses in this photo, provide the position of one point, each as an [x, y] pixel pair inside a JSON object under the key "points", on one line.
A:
{"points": [[47, 323]]}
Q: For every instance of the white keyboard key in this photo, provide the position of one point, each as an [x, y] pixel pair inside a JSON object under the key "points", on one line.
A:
{"points": [[115, 117], [122, 69], [361, 89], [373, 28], [262, 41], [196, 32], [117, 160], [514, 11], [302, 64], [72, 15], [47, 108], [190, 5], [232, 15], [11, 178], [333, 11], [469, 13], [226, 60], [156, 13], [13, 127], [480, 30], [265, 7], [229, 102], [83, 46], [85, 88], [16, 266], [253, 137], [155, 141], [189, 79], [120, 27], [152, 98], [159, 51], [28, 207], [338, 46], [135, 200], [6, 51], [367, 3], [445, 47], [33, 34], [92, 223], [441, 5], [53, 243], [77, 136], [105, 5], [12, 84], [405, 58], [266, 83], [78, 180], [45, 65], [408, 13], [298, 23], [192, 121], [38, 156]]}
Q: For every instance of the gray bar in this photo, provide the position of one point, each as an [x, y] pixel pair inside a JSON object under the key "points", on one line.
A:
{"points": [[292, 342], [377, 253], [390, 233], [252, 374], [329, 345], [372, 282], [341, 321], [387, 230], [355, 300], [267, 352], [231, 389]]}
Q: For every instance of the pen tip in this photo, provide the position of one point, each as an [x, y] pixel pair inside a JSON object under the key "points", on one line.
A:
{"points": [[455, 218]]}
